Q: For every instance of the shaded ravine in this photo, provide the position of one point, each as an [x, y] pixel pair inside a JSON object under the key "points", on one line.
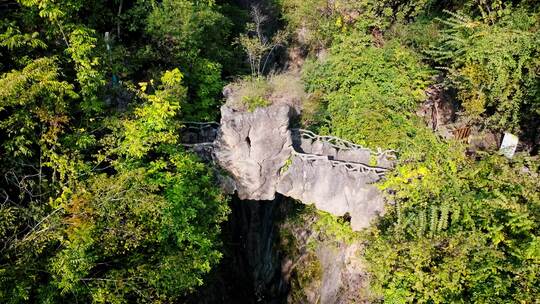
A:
{"points": [[250, 271]]}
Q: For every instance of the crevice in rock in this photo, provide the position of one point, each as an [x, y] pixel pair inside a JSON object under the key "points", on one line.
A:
{"points": [[250, 271]]}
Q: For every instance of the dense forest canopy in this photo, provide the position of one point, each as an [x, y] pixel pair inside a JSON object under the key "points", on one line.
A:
{"points": [[100, 202]]}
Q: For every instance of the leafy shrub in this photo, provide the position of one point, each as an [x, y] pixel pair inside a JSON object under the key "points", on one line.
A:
{"points": [[188, 29], [245, 90], [313, 110], [157, 230], [99, 202], [36, 102], [146, 228], [192, 35], [474, 239], [492, 66], [457, 231], [371, 92], [316, 23], [312, 21], [252, 103], [421, 35], [207, 83], [400, 11]]}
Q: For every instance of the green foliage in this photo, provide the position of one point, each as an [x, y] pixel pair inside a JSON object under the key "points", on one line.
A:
{"points": [[99, 201], [147, 231], [154, 120], [155, 229], [155, 223], [37, 103], [208, 85], [91, 80], [399, 11], [307, 279], [286, 166], [248, 93], [421, 35], [457, 230], [188, 29], [314, 109], [316, 23], [492, 67], [370, 92], [252, 103], [12, 39], [475, 241], [333, 229], [192, 34], [52, 11]]}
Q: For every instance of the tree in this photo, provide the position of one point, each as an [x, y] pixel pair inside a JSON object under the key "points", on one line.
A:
{"points": [[257, 45], [148, 234], [148, 229]]}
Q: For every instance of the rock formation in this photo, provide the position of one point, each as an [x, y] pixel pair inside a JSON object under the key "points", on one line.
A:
{"points": [[252, 147], [333, 189], [264, 157]]}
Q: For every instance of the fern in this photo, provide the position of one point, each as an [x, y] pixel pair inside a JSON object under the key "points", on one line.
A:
{"points": [[490, 65], [433, 220], [443, 219], [455, 213], [422, 222]]}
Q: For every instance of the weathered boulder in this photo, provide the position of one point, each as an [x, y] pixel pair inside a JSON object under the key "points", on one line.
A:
{"points": [[252, 147]]}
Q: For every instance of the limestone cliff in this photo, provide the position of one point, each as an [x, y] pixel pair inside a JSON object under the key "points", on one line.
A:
{"points": [[319, 266]]}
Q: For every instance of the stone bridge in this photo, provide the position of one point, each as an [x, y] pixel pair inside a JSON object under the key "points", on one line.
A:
{"points": [[264, 156]]}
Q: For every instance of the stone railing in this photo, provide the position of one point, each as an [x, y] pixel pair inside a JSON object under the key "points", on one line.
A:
{"points": [[200, 128], [347, 165], [199, 134], [340, 144]]}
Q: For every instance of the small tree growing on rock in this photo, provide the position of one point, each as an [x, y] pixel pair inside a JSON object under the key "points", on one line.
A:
{"points": [[258, 46]]}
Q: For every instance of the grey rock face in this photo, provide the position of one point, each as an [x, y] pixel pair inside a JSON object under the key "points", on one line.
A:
{"points": [[336, 190], [263, 157], [252, 147], [344, 276], [338, 275]]}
